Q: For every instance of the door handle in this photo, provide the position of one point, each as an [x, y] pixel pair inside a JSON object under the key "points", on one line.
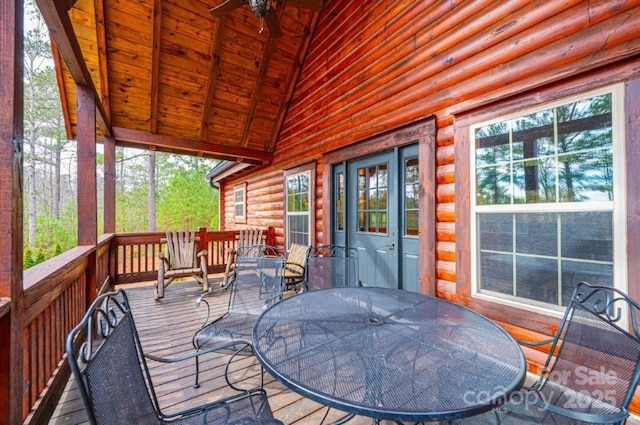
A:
{"points": [[391, 246]]}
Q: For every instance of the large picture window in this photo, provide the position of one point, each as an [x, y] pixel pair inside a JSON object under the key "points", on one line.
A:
{"points": [[299, 185], [548, 187]]}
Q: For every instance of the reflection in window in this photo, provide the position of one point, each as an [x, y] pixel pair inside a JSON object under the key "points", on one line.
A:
{"points": [[339, 201], [562, 154], [372, 199], [411, 196], [544, 201]]}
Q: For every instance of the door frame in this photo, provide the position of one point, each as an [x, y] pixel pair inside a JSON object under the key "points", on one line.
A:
{"points": [[424, 132]]}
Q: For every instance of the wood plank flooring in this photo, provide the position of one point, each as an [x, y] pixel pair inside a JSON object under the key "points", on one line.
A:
{"points": [[165, 329]]}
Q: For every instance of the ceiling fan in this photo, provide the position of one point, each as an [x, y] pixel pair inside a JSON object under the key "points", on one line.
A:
{"points": [[261, 9]]}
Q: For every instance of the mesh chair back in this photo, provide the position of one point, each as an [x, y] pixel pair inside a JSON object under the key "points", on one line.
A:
{"points": [[331, 266], [595, 367], [258, 279], [107, 367]]}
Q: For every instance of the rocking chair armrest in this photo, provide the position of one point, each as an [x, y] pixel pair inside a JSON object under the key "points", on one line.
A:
{"points": [[202, 253]]}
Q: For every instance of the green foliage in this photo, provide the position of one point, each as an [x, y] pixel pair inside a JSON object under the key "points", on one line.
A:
{"points": [[27, 258], [40, 256], [185, 200]]}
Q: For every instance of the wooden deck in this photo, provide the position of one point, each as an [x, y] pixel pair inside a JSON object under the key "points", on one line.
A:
{"points": [[166, 328]]}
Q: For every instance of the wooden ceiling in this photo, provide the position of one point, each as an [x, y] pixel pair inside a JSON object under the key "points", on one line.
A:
{"points": [[170, 76]]}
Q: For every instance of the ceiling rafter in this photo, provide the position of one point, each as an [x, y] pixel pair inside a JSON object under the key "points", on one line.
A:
{"points": [[61, 31], [257, 92], [210, 89], [57, 61], [103, 61], [162, 143], [155, 65]]}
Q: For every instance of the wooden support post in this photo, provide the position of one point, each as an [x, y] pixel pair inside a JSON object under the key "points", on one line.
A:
{"points": [[109, 185], [11, 151], [87, 182]]}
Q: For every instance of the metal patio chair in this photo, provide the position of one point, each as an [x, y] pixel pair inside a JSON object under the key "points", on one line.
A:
{"points": [[592, 369], [110, 369], [331, 266], [256, 285], [180, 259], [246, 237]]}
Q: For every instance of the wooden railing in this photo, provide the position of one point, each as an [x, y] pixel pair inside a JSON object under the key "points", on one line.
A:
{"points": [[56, 295]]}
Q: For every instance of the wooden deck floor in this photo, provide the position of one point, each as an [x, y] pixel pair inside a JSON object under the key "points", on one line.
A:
{"points": [[165, 329]]}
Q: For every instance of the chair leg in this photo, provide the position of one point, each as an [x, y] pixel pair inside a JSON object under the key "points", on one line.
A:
{"points": [[197, 382]]}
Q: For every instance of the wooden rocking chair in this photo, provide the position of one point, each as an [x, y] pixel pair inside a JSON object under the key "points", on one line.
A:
{"points": [[181, 259], [247, 237]]}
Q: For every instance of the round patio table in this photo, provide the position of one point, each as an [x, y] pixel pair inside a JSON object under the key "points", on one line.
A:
{"points": [[388, 354]]}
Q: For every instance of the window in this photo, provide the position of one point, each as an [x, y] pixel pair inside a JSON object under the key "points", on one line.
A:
{"points": [[548, 187], [299, 185], [372, 199], [339, 201], [411, 196], [240, 203]]}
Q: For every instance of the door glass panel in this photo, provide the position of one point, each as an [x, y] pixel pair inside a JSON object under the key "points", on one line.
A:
{"points": [[372, 199], [411, 193], [340, 201]]}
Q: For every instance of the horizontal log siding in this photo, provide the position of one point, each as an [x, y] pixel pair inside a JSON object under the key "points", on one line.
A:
{"points": [[374, 66]]}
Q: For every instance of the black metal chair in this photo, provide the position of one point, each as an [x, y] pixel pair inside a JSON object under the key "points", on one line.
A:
{"points": [[332, 266], [592, 370], [257, 283], [111, 372]]}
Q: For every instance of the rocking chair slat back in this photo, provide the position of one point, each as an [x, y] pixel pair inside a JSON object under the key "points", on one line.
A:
{"points": [[181, 249]]}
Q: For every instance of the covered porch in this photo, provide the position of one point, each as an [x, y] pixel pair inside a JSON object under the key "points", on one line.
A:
{"points": [[169, 76]]}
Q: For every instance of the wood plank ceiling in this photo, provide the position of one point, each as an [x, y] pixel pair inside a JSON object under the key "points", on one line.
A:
{"points": [[171, 77]]}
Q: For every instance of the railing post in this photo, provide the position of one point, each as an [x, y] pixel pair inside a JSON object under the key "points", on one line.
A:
{"points": [[203, 243], [12, 385], [270, 238]]}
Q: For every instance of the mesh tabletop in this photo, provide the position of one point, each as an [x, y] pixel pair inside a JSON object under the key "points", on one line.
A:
{"points": [[388, 354]]}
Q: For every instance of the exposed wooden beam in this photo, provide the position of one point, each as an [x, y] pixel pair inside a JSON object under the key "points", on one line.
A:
{"points": [[143, 140], [61, 31], [216, 47], [57, 61], [103, 61], [257, 91], [155, 65]]}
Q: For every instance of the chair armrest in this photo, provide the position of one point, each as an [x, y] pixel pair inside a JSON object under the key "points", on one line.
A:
{"points": [[202, 253], [535, 343], [294, 267], [194, 354]]}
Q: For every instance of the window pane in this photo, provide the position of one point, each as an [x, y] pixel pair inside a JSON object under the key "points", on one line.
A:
{"points": [[586, 176], [496, 273], [534, 181], [537, 279], [493, 185], [340, 201], [537, 233], [411, 223], [492, 144], [587, 236], [495, 232]]}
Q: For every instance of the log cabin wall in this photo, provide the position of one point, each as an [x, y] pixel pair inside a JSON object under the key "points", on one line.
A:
{"points": [[374, 66]]}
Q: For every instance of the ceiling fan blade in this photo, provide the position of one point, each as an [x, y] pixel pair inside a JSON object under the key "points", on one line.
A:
{"points": [[315, 5], [274, 27], [226, 7]]}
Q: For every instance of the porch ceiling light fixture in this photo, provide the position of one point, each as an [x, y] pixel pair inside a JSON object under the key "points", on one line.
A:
{"points": [[260, 7]]}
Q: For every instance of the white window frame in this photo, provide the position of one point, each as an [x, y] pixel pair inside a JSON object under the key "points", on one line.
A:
{"points": [[309, 170], [241, 188], [617, 206]]}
